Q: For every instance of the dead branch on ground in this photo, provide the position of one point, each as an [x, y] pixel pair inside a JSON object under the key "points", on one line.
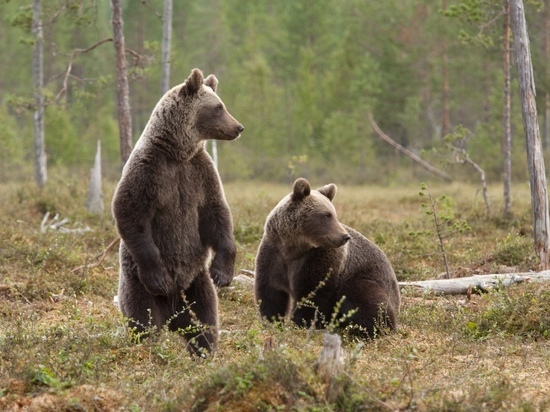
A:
{"points": [[100, 258], [476, 283]]}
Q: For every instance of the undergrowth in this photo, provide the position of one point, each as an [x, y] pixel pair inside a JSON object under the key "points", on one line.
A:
{"points": [[64, 345]]}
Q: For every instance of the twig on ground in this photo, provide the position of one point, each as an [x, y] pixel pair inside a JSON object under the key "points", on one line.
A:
{"points": [[100, 257]]}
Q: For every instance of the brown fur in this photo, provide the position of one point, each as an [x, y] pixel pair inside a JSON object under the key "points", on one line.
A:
{"points": [[171, 213], [303, 245]]}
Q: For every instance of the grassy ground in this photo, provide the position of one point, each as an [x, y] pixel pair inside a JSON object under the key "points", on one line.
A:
{"points": [[63, 345]]}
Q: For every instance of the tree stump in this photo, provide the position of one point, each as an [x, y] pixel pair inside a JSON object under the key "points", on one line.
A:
{"points": [[330, 364]]}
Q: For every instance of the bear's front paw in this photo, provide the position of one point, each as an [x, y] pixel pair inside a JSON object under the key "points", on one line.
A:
{"points": [[158, 282], [221, 270], [221, 277]]}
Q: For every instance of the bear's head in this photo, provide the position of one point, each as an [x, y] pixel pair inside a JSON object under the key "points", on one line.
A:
{"points": [[186, 116], [306, 218], [208, 118]]}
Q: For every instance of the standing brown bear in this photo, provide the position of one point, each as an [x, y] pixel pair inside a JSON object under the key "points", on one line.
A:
{"points": [[311, 265], [171, 213]]}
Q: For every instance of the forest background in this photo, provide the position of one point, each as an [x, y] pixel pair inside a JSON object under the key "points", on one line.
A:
{"points": [[300, 76], [304, 78]]}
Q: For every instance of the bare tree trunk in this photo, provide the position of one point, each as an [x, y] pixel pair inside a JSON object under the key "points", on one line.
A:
{"points": [[94, 202], [38, 76], [535, 160], [446, 125], [506, 125], [446, 120], [122, 89], [546, 53], [166, 45]]}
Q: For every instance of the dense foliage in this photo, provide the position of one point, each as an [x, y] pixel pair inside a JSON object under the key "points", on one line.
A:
{"points": [[300, 75]]}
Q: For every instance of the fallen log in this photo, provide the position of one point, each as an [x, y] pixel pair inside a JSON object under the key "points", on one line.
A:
{"points": [[476, 283], [468, 284]]}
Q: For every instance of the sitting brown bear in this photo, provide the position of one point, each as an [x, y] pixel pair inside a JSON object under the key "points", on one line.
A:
{"points": [[308, 262]]}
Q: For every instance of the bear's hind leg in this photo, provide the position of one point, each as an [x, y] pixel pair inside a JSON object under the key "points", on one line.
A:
{"points": [[197, 315], [273, 305], [366, 305], [315, 311], [137, 305]]}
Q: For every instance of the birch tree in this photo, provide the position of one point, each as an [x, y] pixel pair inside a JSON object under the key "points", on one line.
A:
{"points": [[506, 118], [546, 54], [166, 46], [38, 77], [122, 88], [535, 160]]}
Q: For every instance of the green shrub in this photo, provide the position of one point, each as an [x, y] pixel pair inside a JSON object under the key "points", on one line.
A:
{"points": [[522, 311]]}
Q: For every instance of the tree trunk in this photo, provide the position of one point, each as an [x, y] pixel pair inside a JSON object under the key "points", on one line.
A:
{"points": [[38, 77], [166, 45], [122, 89], [546, 54], [535, 160], [506, 125], [446, 126], [94, 202], [446, 117]]}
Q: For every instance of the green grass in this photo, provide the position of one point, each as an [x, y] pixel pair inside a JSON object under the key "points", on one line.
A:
{"points": [[63, 344]]}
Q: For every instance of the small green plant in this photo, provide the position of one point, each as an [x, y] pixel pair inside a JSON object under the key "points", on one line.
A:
{"points": [[307, 302], [513, 312], [339, 320], [441, 212], [44, 376]]}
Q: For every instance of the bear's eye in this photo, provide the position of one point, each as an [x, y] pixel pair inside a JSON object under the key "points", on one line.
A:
{"points": [[219, 108], [328, 215]]}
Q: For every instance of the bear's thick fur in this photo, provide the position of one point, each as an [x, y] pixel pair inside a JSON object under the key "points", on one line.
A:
{"points": [[306, 254], [171, 213]]}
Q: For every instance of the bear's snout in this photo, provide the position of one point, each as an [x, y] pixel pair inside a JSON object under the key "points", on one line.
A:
{"points": [[338, 240], [240, 128]]}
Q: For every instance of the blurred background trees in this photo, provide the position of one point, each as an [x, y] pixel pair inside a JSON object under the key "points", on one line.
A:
{"points": [[300, 75]]}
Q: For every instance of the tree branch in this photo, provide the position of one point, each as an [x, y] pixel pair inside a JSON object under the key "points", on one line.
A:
{"points": [[407, 152], [137, 58], [70, 65], [100, 258]]}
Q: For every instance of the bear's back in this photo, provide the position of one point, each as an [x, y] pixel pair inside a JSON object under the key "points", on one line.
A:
{"points": [[367, 260]]}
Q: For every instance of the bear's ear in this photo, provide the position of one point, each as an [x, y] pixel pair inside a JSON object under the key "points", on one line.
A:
{"points": [[301, 189], [211, 82], [328, 190], [193, 83]]}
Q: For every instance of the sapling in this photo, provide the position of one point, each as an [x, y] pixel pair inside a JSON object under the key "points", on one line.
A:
{"points": [[442, 215]]}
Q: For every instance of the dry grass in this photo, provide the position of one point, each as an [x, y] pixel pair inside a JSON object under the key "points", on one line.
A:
{"points": [[63, 345]]}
